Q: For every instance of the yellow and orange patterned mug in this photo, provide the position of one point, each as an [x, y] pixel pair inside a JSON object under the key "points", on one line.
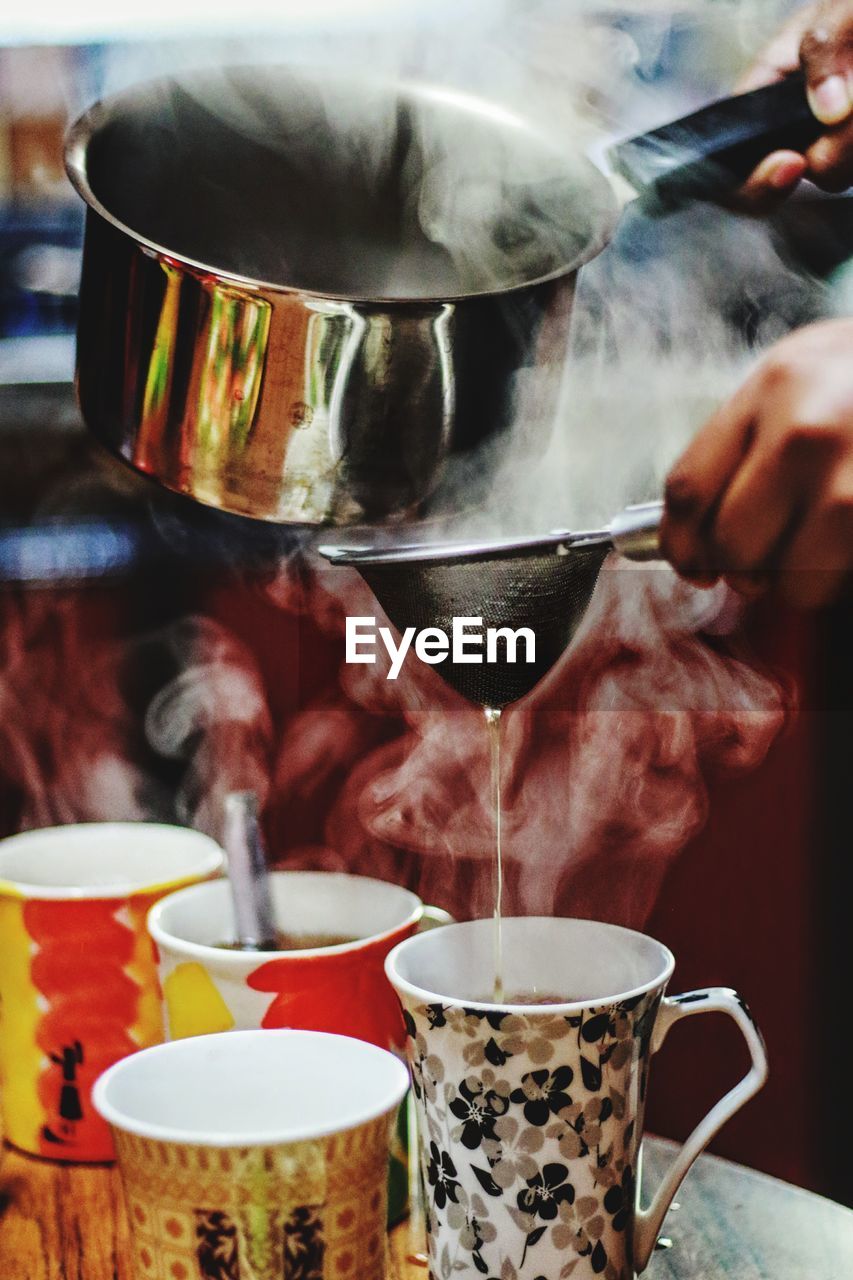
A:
{"points": [[78, 977], [255, 1153]]}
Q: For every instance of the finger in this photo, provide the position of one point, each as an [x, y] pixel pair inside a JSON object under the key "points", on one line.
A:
{"points": [[830, 159], [754, 515], [756, 510], [699, 478], [826, 55], [759, 510], [820, 556], [771, 182]]}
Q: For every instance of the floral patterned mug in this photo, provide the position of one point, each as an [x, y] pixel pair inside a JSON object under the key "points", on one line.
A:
{"points": [[531, 1109]]}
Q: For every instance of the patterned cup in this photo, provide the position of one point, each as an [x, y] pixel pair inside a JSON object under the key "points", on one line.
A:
{"points": [[531, 1113], [78, 979], [342, 989], [255, 1154]]}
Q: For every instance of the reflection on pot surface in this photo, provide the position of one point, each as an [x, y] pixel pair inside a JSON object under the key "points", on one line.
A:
{"points": [[303, 334]]}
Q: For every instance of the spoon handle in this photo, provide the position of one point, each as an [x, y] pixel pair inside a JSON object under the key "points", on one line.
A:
{"points": [[247, 872]]}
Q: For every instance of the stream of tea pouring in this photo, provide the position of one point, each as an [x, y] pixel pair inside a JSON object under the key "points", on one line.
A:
{"points": [[542, 583]]}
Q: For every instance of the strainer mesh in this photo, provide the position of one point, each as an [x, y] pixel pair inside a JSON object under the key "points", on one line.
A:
{"points": [[548, 593]]}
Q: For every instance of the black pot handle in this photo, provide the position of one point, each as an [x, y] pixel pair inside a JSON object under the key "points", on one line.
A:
{"points": [[709, 153]]}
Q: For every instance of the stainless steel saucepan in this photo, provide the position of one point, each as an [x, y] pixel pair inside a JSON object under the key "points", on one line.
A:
{"points": [[303, 299], [309, 299]]}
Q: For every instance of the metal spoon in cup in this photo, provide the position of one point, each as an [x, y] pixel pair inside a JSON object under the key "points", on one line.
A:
{"points": [[247, 874]]}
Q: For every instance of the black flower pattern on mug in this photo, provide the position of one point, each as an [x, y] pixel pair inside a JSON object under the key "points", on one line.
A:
{"points": [[619, 1200], [427, 1073], [442, 1177], [436, 1015], [480, 1103], [543, 1094], [494, 1037], [534, 1119], [546, 1191]]}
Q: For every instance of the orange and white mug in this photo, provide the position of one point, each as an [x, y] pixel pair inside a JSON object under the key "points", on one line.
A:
{"points": [[340, 988], [78, 978]]}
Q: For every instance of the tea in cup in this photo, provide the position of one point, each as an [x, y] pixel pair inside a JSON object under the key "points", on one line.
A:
{"points": [[336, 985]]}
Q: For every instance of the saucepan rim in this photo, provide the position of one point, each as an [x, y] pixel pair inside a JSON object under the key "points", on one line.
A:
{"points": [[85, 127]]}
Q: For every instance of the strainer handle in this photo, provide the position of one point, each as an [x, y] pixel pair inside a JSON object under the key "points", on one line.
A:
{"points": [[635, 531]]}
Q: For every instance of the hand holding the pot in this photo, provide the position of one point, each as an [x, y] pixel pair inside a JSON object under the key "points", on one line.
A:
{"points": [[820, 39], [764, 493]]}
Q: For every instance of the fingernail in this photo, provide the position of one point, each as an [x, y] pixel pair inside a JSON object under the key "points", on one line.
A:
{"points": [[830, 100], [784, 173], [823, 155]]}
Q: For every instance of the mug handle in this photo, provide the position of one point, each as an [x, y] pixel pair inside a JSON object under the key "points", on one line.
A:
{"points": [[648, 1222], [434, 918]]}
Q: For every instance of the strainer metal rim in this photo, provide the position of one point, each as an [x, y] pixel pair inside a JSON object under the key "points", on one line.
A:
{"points": [[558, 542]]}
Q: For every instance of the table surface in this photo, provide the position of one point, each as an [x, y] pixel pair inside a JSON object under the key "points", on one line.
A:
{"points": [[66, 1222]]}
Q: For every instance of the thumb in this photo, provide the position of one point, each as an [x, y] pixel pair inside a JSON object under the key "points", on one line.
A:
{"points": [[826, 54]]}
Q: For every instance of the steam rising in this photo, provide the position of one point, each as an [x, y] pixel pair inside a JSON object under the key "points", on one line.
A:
{"points": [[607, 762], [72, 748], [64, 747], [212, 717]]}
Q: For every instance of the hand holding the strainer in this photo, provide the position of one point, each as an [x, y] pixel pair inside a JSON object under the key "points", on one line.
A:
{"points": [[764, 493], [819, 38]]}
